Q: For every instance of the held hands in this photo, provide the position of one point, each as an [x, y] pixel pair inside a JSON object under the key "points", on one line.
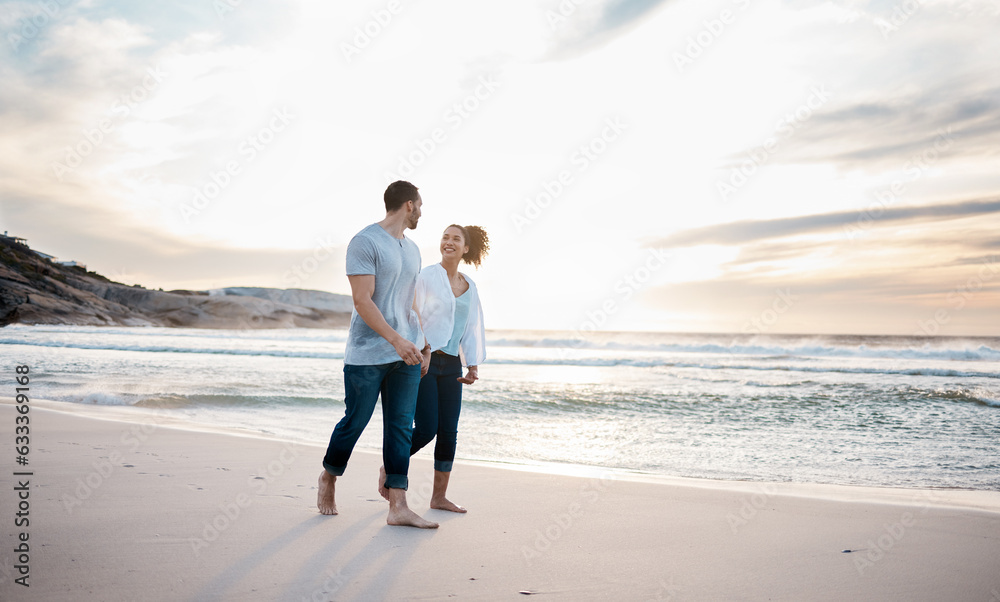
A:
{"points": [[471, 376]]}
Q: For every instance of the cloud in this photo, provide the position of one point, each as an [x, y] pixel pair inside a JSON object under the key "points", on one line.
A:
{"points": [[139, 254], [894, 92], [869, 134], [888, 302], [621, 13], [980, 260], [592, 25], [736, 233], [224, 74]]}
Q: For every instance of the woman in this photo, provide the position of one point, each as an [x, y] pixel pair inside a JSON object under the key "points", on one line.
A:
{"points": [[452, 319]]}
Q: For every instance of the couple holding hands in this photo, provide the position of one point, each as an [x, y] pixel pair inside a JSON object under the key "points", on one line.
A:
{"points": [[409, 334]]}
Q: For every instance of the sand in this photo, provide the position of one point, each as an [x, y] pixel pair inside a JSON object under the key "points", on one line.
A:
{"points": [[144, 510]]}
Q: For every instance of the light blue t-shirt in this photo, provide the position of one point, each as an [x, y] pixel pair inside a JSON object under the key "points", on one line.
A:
{"points": [[461, 317], [395, 264]]}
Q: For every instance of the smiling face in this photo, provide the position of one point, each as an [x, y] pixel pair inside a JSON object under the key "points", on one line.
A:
{"points": [[453, 245]]}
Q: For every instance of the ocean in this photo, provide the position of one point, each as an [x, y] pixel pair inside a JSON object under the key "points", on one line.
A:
{"points": [[859, 410]]}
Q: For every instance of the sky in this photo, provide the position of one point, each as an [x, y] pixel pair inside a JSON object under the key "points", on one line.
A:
{"points": [[744, 166]]}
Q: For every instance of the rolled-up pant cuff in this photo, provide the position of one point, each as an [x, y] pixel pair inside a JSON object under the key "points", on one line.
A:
{"points": [[442, 466], [334, 470], [396, 481]]}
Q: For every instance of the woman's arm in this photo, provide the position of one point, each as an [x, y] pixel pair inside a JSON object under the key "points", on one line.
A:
{"points": [[471, 376], [425, 351]]}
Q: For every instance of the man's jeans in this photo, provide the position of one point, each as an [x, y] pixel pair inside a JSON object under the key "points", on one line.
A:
{"points": [[398, 385]]}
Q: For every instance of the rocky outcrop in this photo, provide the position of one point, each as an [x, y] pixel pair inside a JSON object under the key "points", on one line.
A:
{"points": [[293, 296], [34, 290]]}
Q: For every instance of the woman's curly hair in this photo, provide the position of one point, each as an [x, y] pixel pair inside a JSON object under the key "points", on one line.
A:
{"points": [[478, 242]]}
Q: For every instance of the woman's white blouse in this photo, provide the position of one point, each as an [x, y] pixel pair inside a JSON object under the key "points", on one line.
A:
{"points": [[436, 305]]}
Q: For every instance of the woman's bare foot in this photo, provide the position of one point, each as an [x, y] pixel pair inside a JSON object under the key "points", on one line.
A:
{"points": [[324, 499], [445, 504], [438, 499], [381, 483]]}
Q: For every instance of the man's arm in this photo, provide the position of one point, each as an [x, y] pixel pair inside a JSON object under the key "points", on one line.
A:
{"points": [[362, 289]]}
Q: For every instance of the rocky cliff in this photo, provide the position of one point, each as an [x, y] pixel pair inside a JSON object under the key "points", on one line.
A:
{"points": [[34, 290]]}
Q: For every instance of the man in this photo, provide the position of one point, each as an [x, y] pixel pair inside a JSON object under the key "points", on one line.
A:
{"points": [[382, 352]]}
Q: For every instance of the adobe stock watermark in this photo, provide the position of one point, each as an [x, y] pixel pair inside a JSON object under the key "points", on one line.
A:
{"points": [[564, 521], [103, 469], [750, 507], [330, 586], [914, 169], [566, 9], [310, 264], [366, 33], [222, 8], [784, 129], [665, 592], [579, 162], [783, 301], [247, 151], [29, 28], [622, 291], [900, 15], [230, 511], [712, 30], [959, 298], [121, 108], [420, 493], [454, 117], [890, 536]]}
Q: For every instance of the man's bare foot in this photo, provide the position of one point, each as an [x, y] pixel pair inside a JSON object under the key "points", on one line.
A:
{"points": [[404, 517], [324, 499], [381, 483], [445, 504], [401, 515]]}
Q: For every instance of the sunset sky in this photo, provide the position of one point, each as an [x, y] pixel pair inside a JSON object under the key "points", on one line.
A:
{"points": [[721, 166]]}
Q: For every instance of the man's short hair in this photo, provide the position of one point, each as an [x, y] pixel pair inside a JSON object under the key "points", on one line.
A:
{"points": [[398, 193]]}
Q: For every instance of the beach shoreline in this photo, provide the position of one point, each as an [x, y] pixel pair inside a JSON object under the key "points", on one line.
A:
{"points": [[954, 497], [122, 509], [852, 412]]}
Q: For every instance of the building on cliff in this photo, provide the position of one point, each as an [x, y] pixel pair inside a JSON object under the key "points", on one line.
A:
{"points": [[15, 239]]}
